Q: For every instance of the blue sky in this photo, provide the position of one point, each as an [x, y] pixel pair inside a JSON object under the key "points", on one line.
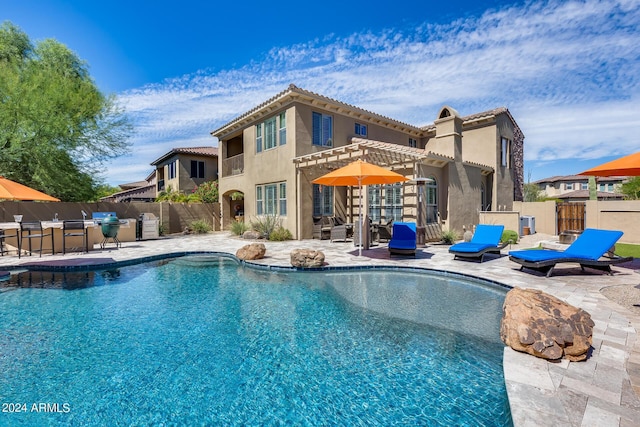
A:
{"points": [[568, 71]]}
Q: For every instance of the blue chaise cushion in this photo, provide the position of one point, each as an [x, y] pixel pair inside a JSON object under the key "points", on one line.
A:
{"points": [[404, 236], [590, 245]]}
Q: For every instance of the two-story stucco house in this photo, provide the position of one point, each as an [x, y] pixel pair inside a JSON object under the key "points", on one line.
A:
{"points": [[576, 187], [272, 153], [182, 169]]}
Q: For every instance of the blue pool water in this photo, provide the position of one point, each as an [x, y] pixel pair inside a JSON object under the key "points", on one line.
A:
{"points": [[183, 342]]}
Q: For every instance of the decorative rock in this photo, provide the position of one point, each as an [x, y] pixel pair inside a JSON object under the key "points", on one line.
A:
{"points": [[252, 251], [251, 235], [306, 258], [542, 325]]}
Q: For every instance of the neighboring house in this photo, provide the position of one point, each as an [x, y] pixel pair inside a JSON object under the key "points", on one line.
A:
{"points": [[576, 187], [273, 152], [140, 191], [182, 169]]}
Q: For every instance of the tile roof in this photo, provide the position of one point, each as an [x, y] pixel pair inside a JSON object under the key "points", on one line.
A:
{"points": [[294, 93], [489, 114], [200, 151], [584, 194], [563, 178]]}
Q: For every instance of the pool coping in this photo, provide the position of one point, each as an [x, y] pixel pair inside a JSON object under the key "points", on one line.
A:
{"points": [[599, 391]]}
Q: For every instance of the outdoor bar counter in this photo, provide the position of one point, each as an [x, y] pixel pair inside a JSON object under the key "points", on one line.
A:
{"points": [[126, 233]]}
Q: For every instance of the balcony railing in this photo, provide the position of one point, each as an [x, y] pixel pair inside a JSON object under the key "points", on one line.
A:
{"points": [[233, 165]]}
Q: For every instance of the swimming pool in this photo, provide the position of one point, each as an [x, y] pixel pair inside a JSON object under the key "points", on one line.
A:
{"points": [[187, 342]]}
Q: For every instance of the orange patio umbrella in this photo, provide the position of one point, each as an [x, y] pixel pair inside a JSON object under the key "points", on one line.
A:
{"points": [[624, 166], [359, 173], [11, 190]]}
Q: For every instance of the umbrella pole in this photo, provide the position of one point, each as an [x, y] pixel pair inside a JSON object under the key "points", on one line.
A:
{"points": [[360, 215]]}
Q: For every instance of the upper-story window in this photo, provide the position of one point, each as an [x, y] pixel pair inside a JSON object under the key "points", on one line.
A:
{"points": [[172, 169], [267, 134], [270, 133], [360, 129], [505, 153], [259, 138], [413, 143], [568, 186], [322, 130], [584, 186], [197, 169], [283, 128]]}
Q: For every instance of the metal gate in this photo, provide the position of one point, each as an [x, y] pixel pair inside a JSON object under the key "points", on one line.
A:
{"points": [[570, 216]]}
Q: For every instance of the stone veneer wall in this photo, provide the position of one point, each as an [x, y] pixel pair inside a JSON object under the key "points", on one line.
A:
{"points": [[518, 160]]}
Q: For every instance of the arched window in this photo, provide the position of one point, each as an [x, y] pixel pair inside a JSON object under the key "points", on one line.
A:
{"points": [[432, 200]]}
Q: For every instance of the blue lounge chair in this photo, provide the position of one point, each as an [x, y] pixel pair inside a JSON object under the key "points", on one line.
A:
{"points": [[486, 239], [403, 240], [588, 250]]}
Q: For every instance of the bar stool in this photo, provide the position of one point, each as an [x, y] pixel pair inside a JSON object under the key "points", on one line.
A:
{"points": [[74, 227], [34, 231], [4, 235]]}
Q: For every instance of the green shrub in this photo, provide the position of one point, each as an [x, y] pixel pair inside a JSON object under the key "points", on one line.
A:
{"points": [[509, 236], [449, 237], [207, 192], [239, 227], [280, 234], [266, 224], [200, 226], [170, 195]]}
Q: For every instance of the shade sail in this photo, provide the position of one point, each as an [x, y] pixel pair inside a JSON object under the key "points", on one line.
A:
{"points": [[11, 190], [624, 166], [359, 173]]}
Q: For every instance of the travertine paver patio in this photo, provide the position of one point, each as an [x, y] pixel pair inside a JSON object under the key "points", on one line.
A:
{"points": [[598, 392]]}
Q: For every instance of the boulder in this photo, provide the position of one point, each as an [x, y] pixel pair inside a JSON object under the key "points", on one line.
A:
{"points": [[251, 235], [542, 325], [251, 251], [305, 258]]}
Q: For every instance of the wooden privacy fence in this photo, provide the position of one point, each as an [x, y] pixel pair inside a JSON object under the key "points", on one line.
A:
{"points": [[570, 216]]}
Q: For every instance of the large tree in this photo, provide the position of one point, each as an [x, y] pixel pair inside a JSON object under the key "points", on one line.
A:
{"points": [[631, 188], [56, 128]]}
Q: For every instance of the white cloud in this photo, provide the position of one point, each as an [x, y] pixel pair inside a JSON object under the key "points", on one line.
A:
{"points": [[568, 71]]}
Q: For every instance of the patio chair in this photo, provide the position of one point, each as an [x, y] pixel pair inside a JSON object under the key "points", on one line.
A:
{"points": [[403, 241], [4, 234], [385, 231], [340, 230], [485, 240], [588, 250], [71, 228], [322, 227], [34, 231]]}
